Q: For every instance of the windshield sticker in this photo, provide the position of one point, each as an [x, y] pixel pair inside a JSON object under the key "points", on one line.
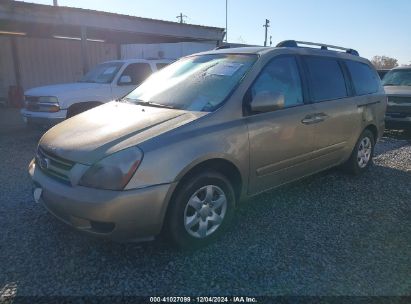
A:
{"points": [[109, 70], [225, 69]]}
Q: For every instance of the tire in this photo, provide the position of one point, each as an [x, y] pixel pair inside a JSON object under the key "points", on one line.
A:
{"points": [[193, 219], [357, 163]]}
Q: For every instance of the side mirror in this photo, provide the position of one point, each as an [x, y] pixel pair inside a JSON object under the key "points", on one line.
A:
{"points": [[266, 101], [125, 80]]}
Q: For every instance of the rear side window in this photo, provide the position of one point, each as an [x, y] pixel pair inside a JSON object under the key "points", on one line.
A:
{"points": [[365, 80], [325, 77], [138, 72]]}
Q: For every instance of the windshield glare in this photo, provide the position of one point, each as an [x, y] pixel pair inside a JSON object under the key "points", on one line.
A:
{"points": [[398, 78], [102, 73], [196, 83]]}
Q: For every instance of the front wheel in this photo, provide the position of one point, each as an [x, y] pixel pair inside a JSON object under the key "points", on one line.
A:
{"points": [[200, 211], [361, 156]]}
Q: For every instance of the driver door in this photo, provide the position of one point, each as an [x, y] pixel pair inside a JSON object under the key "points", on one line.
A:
{"points": [[281, 140]]}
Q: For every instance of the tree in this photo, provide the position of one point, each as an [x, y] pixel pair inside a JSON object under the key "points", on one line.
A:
{"points": [[384, 62]]}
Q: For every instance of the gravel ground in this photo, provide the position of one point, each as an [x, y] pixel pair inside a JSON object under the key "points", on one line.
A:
{"points": [[330, 234]]}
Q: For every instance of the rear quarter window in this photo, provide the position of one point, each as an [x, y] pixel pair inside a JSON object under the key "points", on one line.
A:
{"points": [[325, 78], [365, 80]]}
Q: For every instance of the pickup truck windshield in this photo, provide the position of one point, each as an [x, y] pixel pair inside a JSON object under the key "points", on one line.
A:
{"points": [[102, 73], [397, 78], [196, 83]]}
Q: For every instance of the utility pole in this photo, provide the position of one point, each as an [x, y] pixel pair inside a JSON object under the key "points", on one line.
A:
{"points": [[181, 17], [271, 40], [55, 3], [226, 19], [266, 25]]}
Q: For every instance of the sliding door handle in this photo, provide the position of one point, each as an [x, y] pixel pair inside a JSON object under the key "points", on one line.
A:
{"points": [[313, 118]]}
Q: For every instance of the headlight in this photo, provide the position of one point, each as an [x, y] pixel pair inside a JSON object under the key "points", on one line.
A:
{"points": [[48, 104], [114, 171], [48, 99], [42, 104]]}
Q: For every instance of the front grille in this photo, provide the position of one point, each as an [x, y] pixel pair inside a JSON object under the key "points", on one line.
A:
{"points": [[54, 166], [399, 99]]}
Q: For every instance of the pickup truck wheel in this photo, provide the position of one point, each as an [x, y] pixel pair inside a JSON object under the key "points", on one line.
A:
{"points": [[79, 108], [361, 156], [200, 211]]}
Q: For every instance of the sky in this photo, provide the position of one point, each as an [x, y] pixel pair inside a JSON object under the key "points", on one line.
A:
{"points": [[373, 27]]}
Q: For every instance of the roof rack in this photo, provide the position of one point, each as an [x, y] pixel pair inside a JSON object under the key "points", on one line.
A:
{"points": [[294, 43], [221, 47]]}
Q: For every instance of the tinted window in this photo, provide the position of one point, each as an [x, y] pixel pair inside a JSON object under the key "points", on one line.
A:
{"points": [[138, 72], [326, 79], [365, 80], [280, 77]]}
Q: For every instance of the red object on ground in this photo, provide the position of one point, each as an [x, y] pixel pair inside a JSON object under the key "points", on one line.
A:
{"points": [[16, 96]]}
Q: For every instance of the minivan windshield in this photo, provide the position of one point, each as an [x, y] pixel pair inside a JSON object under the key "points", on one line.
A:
{"points": [[102, 73], [196, 83], [400, 77]]}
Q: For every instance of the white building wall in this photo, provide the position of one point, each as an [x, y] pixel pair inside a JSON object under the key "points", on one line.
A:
{"points": [[164, 50]]}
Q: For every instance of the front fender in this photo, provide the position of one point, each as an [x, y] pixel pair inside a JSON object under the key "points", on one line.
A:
{"points": [[171, 156]]}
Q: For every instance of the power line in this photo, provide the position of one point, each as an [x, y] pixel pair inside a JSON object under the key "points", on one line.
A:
{"points": [[226, 19]]}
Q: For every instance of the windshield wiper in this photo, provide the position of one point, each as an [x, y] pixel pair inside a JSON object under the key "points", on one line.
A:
{"points": [[149, 103], [389, 84]]}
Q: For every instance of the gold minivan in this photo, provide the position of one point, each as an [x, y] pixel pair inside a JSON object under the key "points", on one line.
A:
{"points": [[178, 153]]}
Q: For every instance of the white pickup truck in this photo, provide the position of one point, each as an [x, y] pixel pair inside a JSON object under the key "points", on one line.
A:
{"points": [[107, 81]]}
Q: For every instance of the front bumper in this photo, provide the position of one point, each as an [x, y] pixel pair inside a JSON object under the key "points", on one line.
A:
{"points": [[118, 215], [43, 118]]}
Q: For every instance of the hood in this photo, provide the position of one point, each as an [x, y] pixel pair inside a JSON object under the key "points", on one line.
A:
{"points": [[61, 89], [398, 90], [94, 134]]}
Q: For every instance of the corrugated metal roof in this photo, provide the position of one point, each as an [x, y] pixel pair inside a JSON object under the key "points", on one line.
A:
{"points": [[75, 9]]}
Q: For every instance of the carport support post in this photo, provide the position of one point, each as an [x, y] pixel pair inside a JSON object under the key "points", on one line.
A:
{"points": [[84, 54], [16, 61]]}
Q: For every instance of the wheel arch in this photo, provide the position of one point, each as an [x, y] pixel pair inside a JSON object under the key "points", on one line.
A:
{"points": [[220, 165], [374, 130]]}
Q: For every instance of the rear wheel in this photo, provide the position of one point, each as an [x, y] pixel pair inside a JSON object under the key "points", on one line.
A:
{"points": [[361, 156], [200, 211]]}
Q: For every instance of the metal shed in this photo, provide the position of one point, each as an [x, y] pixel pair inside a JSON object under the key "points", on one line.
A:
{"points": [[44, 44]]}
